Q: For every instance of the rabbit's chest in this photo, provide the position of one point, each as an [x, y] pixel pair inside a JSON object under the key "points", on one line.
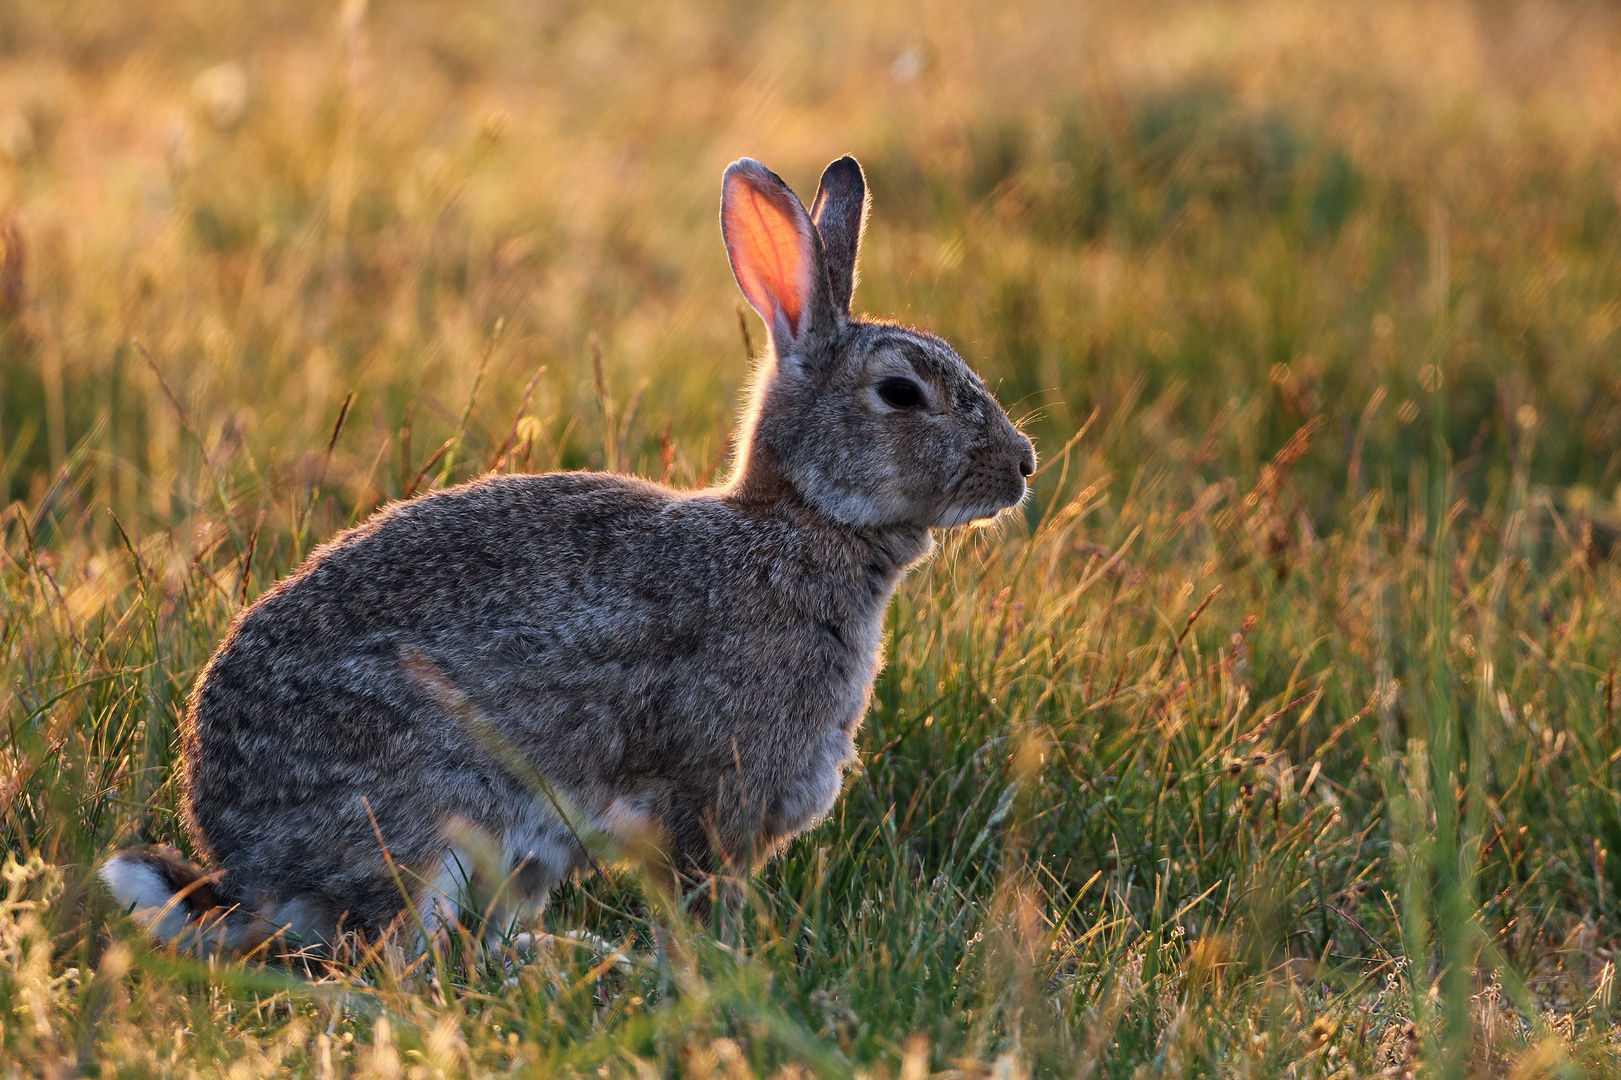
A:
{"points": [[823, 722], [822, 665], [809, 792], [851, 677]]}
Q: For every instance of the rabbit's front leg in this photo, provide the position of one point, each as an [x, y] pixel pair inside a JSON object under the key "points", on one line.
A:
{"points": [[686, 869]]}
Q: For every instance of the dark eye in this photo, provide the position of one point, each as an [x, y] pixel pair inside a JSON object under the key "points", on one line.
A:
{"points": [[899, 393]]}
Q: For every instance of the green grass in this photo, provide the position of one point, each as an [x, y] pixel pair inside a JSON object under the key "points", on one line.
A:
{"points": [[1277, 737]]}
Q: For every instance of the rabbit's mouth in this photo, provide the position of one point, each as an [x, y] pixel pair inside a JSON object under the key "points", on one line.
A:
{"points": [[983, 513], [980, 507]]}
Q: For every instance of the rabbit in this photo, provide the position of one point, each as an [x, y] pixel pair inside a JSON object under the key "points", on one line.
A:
{"points": [[544, 659]]}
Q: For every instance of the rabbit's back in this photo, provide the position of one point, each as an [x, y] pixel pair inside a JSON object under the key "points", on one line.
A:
{"points": [[633, 645]]}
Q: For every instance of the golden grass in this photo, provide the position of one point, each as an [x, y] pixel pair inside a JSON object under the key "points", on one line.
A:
{"points": [[1276, 738]]}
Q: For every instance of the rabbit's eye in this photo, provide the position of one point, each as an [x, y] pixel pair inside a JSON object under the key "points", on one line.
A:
{"points": [[899, 393]]}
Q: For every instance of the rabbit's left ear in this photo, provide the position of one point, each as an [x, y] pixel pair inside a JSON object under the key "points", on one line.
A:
{"points": [[776, 253], [840, 213]]}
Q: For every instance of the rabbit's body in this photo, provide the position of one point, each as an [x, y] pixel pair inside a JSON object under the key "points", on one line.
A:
{"points": [[535, 659], [626, 649]]}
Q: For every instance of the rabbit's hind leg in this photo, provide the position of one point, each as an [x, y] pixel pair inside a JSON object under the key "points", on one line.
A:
{"points": [[536, 858], [299, 927], [448, 894], [494, 892], [454, 898]]}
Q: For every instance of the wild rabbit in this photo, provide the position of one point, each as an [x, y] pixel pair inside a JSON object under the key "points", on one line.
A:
{"points": [[537, 658]]}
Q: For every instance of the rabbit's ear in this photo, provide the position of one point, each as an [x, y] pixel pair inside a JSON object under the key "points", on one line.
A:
{"points": [[775, 252], [840, 213]]}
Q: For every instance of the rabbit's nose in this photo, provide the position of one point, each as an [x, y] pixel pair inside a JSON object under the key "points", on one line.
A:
{"points": [[1027, 460]]}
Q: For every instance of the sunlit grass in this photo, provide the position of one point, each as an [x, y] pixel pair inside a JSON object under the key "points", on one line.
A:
{"points": [[1275, 735]]}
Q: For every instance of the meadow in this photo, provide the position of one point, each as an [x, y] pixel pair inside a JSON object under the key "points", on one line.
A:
{"points": [[1274, 736]]}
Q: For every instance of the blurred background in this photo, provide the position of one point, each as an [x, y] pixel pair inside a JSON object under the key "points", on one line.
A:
{"points": [[1208, 221], [1312, 310]]}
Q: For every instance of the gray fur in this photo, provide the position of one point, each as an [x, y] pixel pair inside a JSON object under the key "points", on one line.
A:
{"points": [[840, 213], [693, 663]]}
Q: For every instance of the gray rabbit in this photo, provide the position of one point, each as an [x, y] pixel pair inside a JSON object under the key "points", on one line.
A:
{"points": [[535, 659]]}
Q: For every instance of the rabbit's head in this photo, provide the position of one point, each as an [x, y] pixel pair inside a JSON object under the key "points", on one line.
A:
{"points": [[874, 424]]}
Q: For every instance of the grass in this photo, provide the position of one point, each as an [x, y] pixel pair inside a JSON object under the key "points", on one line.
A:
{"points": [[1277, 737]]}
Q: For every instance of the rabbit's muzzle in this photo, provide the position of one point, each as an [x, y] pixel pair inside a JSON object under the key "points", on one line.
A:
{"points": [[995, 479]]}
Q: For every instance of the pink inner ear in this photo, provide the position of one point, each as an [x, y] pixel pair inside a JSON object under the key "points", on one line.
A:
{"points": [[769, 252]]}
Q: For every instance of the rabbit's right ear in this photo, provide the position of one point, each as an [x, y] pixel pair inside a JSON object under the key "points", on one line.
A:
{"points": [[840, 213], [775, 251]]}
